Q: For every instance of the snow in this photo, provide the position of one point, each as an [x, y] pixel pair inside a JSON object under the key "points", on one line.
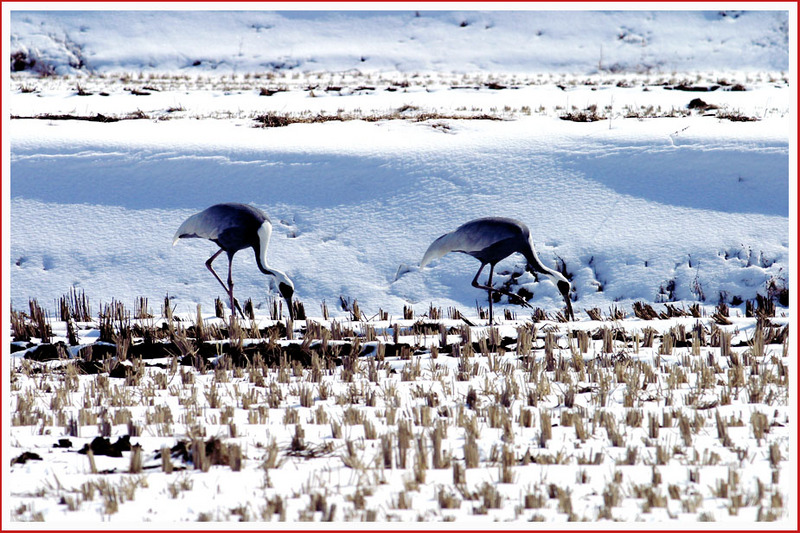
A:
{"points": [[440, 41], [656, 203], [352, 201]]}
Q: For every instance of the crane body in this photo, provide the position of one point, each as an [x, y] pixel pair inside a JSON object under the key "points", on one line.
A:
{"points": [[490, 240], [234, 227]]}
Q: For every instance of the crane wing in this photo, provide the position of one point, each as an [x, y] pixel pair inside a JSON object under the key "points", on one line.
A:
{"points": [[228, 222], [474, 236]]}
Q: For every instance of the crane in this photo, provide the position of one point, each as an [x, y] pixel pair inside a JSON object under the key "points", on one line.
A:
{"points": [[234, 227], [490, 240]]}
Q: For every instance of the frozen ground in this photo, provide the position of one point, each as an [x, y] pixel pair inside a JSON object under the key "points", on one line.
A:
{"points": [[485, 428], [441, 118]]}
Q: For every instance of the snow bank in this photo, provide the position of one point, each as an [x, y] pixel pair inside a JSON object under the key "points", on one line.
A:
{"points": [[632, 209], [577, 42]]}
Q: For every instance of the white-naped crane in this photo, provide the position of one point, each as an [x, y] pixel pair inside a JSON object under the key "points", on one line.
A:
{"points": [[234, 227], [490, 240]]}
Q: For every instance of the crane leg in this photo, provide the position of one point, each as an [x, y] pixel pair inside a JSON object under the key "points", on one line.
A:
{"points": [[234, 302], [488, 287], [475, 279], [228, 290], [491, 303], [230, 286], [211, 269]]}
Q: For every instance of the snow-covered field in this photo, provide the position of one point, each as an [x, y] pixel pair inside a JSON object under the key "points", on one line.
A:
{"points": [[402, 126]]}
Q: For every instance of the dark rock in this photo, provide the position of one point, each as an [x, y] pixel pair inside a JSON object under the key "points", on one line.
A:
{"points": [[97, 351], [24, 457], [47, 352], [103, 446], [121, 370], [19, 346], [699, 104], [153, 350]]}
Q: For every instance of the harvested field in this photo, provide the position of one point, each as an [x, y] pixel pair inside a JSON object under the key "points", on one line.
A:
{"points": [[677, 419]]}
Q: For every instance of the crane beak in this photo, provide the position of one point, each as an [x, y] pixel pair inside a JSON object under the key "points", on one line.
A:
{"points": [[290, 308], [570, 314]]}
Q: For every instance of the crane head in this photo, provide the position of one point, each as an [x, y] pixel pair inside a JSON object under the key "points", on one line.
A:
{"points": [[564, 287], [280, 281], [287, 290]]}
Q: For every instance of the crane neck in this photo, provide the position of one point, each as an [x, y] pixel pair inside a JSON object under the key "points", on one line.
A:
{"points": [[261, 245], [260, 249], [537, 265], [263, 266]]}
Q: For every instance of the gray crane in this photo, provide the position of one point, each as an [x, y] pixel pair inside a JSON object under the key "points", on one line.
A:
{"points": [[490, 240], [234, 227]]}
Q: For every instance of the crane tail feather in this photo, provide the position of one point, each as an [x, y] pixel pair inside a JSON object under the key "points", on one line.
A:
{"points": [[199, 225]]}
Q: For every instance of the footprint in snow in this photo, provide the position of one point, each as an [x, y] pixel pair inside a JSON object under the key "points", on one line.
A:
{"points": [[292, 231]]}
